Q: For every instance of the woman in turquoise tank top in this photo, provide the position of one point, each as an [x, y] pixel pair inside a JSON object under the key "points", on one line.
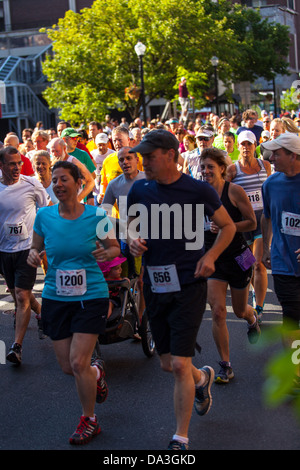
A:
{"points": [[75, 296]]}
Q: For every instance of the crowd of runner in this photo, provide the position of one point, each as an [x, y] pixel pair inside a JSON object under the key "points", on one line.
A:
{"points": [[59, 185]]}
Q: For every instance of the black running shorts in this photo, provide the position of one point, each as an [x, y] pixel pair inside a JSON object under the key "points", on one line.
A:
{"points": [[60, 319], [175, 318], [16, 271]]}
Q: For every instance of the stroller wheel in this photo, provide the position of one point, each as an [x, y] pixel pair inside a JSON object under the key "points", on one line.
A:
{"points": [[148, 344]]}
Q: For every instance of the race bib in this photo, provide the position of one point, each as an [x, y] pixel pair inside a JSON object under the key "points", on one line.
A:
{"points": [[71, 283], [290, 224], [206, 224], [245, 260], [16, 230], [164, 279], [255, 197]]}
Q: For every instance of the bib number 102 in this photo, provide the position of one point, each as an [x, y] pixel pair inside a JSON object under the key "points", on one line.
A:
{"points": [[292, 222]]}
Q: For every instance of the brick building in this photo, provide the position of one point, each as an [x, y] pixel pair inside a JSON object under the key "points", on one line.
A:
{"points": [[286, 12]]}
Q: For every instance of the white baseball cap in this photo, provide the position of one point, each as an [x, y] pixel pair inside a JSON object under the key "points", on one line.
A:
{"points": [[246, 136], [205, 133], [286, 140], [101, 138]]}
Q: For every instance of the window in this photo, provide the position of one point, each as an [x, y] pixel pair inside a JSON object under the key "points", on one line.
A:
{"points": [[291, 4]]}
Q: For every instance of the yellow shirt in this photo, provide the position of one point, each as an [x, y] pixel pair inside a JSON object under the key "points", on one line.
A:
{"points": [[91, 145], [110, 170]]}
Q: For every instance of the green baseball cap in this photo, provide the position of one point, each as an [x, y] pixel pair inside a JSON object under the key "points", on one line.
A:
{"points": [[70, 132]]}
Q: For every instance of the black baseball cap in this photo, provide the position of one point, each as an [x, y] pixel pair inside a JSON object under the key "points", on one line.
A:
{"points": [[158, 138]]}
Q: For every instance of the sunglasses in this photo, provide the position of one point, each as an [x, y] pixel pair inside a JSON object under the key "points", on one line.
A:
{"points": [[206, 139]]}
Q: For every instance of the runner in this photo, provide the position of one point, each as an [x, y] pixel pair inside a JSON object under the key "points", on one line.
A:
{"points": [[19, 197], [234, 265], [75, 296], [250, 173], [176, 268], [281, 224]]}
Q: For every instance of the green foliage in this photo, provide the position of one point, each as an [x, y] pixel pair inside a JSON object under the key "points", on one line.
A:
{"points": [[282, 369], [290, 100], [94, 59]]}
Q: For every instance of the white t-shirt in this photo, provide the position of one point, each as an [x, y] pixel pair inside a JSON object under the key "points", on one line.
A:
{"points": [[99, 159], [18, 206]]}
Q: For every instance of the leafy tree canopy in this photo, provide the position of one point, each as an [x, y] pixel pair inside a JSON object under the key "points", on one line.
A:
{"points": [[94, 61]]}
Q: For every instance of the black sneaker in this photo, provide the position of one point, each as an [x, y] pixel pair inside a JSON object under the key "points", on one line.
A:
{"points": [[40, 328], [254, 331], [85, 431], [15, 354], [203, 399], [102, 388], [224, 374], [177, 445]]}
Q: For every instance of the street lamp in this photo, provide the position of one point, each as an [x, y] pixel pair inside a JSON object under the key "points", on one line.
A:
{"points": [[215, 62], [140, 50]]}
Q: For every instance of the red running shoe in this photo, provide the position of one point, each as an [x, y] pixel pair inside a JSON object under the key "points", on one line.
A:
{"points": [[102, 388], [85, 431]]}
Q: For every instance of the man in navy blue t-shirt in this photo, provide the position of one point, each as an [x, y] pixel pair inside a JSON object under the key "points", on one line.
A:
{"points": [[249, 119], [165, 215]]}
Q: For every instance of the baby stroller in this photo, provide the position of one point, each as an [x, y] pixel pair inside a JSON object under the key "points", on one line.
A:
{"points": [[124, 321]]}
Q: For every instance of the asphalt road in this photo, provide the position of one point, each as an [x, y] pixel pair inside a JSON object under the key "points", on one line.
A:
{"points": [[39, 408]]}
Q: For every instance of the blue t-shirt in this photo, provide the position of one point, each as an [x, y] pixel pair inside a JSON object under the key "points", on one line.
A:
{"points": [[281, 196], [257, 130], [172, 222], [69, 245]]}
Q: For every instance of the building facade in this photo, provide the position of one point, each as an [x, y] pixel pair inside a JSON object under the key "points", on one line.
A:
{"points": [[22, 50], [267, 94]]}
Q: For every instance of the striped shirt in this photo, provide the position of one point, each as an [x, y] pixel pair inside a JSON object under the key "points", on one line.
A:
{"points": [[252, 184]]}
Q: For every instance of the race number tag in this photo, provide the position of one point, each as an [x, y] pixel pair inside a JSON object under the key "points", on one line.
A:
{"points": [[290, 224], [16, 230], [206, 223], [255, 197], [70, 283], [164, 279]]}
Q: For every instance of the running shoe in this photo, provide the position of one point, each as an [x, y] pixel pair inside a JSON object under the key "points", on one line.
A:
{"points": [[254, 331], [85, 431], [224, 374], [176, 445], [15, 354], [102, 388], [40, 327], [203, 399], [259, 313]]}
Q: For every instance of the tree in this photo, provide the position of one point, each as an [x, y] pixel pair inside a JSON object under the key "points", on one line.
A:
{"points": [[290, 100], [94, 63]]}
